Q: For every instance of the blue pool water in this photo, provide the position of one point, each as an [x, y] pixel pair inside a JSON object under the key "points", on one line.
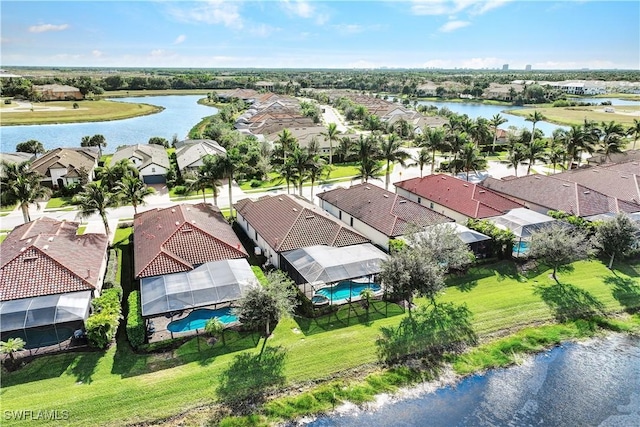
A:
{"points": [[198, 318], [521, 248], [346, 289]]}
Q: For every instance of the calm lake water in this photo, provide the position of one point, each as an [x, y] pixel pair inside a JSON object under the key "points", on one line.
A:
{"points": [[181, 113], [596, 383]]}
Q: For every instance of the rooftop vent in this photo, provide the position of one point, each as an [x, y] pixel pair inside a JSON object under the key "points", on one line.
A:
{"points": [[386, 196], [51, 239], [402, 201], [566, 185], [177, 222], [295, 210], [482, 191], [309, 217], [173, 210], [193, 221], [45, 247], [624, 176], [367, 188], [466, 185], [280, 198], [586, 192]]}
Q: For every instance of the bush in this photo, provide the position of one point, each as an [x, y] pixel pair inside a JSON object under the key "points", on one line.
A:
{"points": [[180, 190], [102, 325], [111, 275], [7, 101], [68, 191], [255, 183], [135, 322], [75, 106]]}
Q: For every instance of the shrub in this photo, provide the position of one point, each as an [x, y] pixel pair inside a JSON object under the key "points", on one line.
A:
{"points": [[102, 325], [111, 275], [255, 183], [180, 190], [75, 106], [135, 322], [7, 101]]}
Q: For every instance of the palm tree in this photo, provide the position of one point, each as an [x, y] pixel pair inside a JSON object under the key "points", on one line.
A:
{"points": [[287, 141], [433, 140], [534, 117], [95, 198], [11, 346], [369, 168], [316, 169], [344, 148], [534, 152], [133, 190], [209, 175], [557, 155], [24, 186], [226, 167], [479, 131], [635, 131], [301, 160], [516, 156], [215, 327], [112, 174], [496, 121], [470, 158], [366, 149], [331, 135], [573, 140], [423, 158], [611, 138], [32, 146], [391, 151], [455, 141]]}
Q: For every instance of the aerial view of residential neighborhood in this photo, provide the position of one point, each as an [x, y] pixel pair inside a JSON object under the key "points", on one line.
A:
{"points": [[320, 213]]}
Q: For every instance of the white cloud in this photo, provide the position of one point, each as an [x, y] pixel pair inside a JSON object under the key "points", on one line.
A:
{"points": [[355, 28], [262, 30], [300, 8], [453, 25], [211, 12], [96, 53], [47, 27], [448, 7], [181, 38], [158, 53]]}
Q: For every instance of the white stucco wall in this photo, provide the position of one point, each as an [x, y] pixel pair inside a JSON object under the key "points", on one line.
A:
{"points": [[257, 239]]}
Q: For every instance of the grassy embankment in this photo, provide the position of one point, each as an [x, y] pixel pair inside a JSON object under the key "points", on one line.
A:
{"points": [[577, 115], [63, 112], [118, 386]]}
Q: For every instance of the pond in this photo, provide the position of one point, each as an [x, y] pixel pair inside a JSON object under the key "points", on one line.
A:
{"points": [[578, 384], [180, 114]]}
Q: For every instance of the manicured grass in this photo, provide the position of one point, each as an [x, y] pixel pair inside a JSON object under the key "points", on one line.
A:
{"points": [[88, 111], [337, 172], [7, 208], [81, 229], [120, 387], [58, 202], [577, 115], [2, 237]]}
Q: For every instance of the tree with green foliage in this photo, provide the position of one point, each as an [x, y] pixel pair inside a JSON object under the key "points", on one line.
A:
{"points": [[111, 175], [558, 245], [391, 151], [23, 185], [423, 158], [433, 139], [94, 199], [516, 156], [287, 142], [11, 346], [617, 237], [31, 146], [534, 118], [634, 130], [331, 135], [207, 176], [94, 141], [611, 139], [534, 152], [157, 140], [215, 327], [495, 122], [133, 191], [470, 159]]}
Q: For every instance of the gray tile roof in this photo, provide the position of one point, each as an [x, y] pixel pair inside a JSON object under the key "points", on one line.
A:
{"points": [[147, 153]]}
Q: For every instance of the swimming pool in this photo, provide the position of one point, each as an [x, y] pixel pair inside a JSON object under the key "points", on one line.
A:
{"points": [[198, 318], [521, 248], [346, 289]]}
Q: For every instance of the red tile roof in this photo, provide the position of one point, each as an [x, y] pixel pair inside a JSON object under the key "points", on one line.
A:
{"points": [[179, 238], [383, 210], [289, 222], [469, 199], [46, 257]]}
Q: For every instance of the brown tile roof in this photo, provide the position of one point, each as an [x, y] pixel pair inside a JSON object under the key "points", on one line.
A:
{"points": [[621, 180], [46, 257], [179, 238], [469, 199], [70, 158], [289, 222], [383, 210], [560, 194]]}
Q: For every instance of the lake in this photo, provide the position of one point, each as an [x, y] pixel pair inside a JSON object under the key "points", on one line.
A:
{"points": [[593, 383], [181, 113]]}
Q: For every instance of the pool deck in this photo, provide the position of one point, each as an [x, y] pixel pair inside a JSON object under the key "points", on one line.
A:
{"points": [[161, 322]]}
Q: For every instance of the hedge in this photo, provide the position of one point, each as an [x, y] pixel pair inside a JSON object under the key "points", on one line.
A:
{"points": [[103, 324], [111, 275], [135, 322]]}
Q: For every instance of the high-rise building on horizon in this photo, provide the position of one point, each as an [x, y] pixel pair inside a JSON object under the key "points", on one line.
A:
{"points": [[527, 67], [505, 67]]}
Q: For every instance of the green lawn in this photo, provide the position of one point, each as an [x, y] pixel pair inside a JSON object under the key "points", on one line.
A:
{"points": [[2, 237], [116, 386], [58, 202]]}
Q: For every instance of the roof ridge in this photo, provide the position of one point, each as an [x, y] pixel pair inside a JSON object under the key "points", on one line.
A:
{"points": [[293, 224], [64, 267]]}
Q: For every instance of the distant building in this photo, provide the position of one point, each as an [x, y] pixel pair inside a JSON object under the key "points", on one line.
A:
{"points": [[505, 67], [58, 92], [528, 67]]}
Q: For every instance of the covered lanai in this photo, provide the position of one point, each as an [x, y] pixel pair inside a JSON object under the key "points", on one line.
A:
{"points": [[522, 222]]}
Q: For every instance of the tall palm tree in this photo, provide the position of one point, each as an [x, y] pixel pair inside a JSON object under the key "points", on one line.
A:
{"points": [[635, 131], [209, 175], [287, 171], [369, 168], [556, 155], [26, 189], [331, 135], [496, 121], [344, 148], [516, 156], [366, 151], [301, 160], [287, 141], [573, 139], [226, 167], [536, 151], [455, 141], [96, 198], [134, 191], [480, 131], [470, 158], [391, 151], [316, 169], [611, 138], [112, 174], [534, 118], [423, 158], [433, 140]]}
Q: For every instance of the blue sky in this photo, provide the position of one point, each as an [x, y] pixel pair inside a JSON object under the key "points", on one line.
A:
{"points": [[322, 34]]}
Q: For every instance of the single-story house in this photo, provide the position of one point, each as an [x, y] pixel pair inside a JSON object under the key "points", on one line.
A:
{"points": [[189, 153], [61, 167], [57, 92], [151, 160], [378, 214], [282, 223], [454, 197], [48, 276]]}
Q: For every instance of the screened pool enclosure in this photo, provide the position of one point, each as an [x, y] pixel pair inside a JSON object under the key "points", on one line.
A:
{"points": [[208, 284], [45, 320]]}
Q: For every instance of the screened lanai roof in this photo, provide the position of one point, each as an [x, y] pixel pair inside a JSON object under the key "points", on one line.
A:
{"points": [[45, 310], [466, 235], [210, 283], [522, 222], [329, 264]]}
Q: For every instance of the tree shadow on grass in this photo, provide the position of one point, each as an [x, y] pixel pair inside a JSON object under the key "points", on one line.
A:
{"points": [[626, 291], [84, 365], [347, 316], [250, 377], [568, 302]]}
